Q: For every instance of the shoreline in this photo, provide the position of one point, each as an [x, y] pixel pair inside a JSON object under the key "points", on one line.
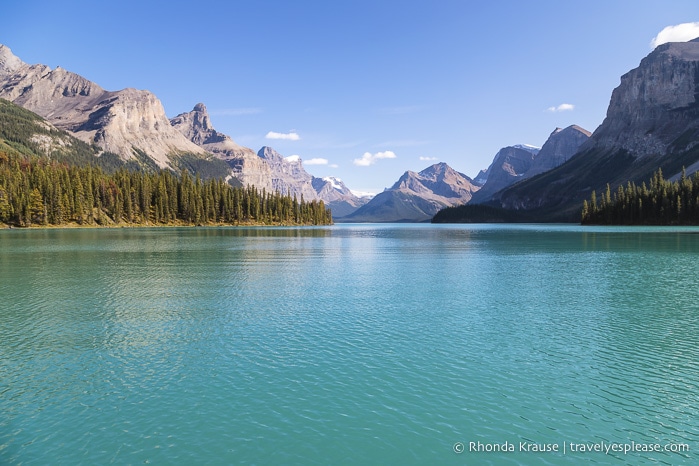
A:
{"points": [[70, 226]]}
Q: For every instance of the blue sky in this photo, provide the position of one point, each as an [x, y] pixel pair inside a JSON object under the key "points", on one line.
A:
{"points": [[370, 89]]}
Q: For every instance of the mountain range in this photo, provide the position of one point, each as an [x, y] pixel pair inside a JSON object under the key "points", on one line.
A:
{"points": [[416, 197], [652, 122], [131, 125]]}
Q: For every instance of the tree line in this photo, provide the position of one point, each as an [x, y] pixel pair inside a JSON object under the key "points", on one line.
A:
{"points": [[40, 191], [662, 202]]}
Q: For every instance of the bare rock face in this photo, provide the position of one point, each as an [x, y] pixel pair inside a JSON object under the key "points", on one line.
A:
{"points": [[337, 196], [438, 181], [120, 122], [654, 103], [288, 175], [417, 197], [652, 122], [561, 145], [8, 61], [509, 165], [481, 177], [246, 166]]}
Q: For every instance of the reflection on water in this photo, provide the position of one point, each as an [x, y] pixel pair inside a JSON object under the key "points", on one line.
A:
{"points": [[376, 344]]}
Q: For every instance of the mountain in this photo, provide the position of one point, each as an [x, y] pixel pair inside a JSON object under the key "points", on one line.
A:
{"points": [[337, 196], [509, 165], [266, 169], [25, 133], [131, 123], [416, 197], [652, 122], [481, 177], [560, 146], [245, 165], [288, 174]]}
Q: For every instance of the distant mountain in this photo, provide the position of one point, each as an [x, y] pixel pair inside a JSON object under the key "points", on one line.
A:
{"points": [[288, 174], [416, 197], [509, 165], [130, 122], [516, 163], [652, 122], [481, 177], [337, 196], [560, 146]]}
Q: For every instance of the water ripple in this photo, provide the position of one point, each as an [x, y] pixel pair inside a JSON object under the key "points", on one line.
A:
{"points": [[356, 344]]}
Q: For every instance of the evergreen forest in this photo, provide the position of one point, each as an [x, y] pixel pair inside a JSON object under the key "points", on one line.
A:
{"points": [[48, 177], [40, 191], [662, 202]]}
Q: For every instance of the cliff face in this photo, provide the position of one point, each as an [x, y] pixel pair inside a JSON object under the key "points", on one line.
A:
{"points": [[509, 165], [288, 175], [652, 122], [561, 145], [245, 165], [122, 122], [337, 196], [654, 103]]}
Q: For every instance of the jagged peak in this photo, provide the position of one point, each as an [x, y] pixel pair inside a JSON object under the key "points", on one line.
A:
{"points": [[436, 169], [9, 62], [200, 107], [267, 152]]}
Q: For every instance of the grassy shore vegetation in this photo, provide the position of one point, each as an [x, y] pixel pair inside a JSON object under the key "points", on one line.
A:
{"points": [[38, 191], [662, 202]]}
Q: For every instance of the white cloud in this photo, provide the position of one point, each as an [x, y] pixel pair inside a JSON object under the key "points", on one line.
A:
{"points": [[333, 165], [678, 33], [291, 136], [292, 158], [370, 159], [427, 159], [316, 161], [561, 108]]}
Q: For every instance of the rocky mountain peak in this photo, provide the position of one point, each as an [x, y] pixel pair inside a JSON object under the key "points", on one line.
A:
{"points": [[337, 196], [288, 175], [654, 103], [9, 62], [437, 169], [269, 153], [681, 50], [125, 122], [416, 197], [561, 145], [196, 126], [201, 117], [509, 165]]}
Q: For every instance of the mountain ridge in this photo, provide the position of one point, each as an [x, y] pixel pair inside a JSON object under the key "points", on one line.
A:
{"points": [[416, 197], [652, 123], [122, 122]]}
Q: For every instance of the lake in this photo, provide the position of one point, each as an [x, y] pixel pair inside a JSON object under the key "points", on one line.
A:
{"points": [[350, 344]]}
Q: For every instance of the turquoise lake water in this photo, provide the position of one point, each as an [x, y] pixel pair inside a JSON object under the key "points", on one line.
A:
{"points": [[349, 344]]}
